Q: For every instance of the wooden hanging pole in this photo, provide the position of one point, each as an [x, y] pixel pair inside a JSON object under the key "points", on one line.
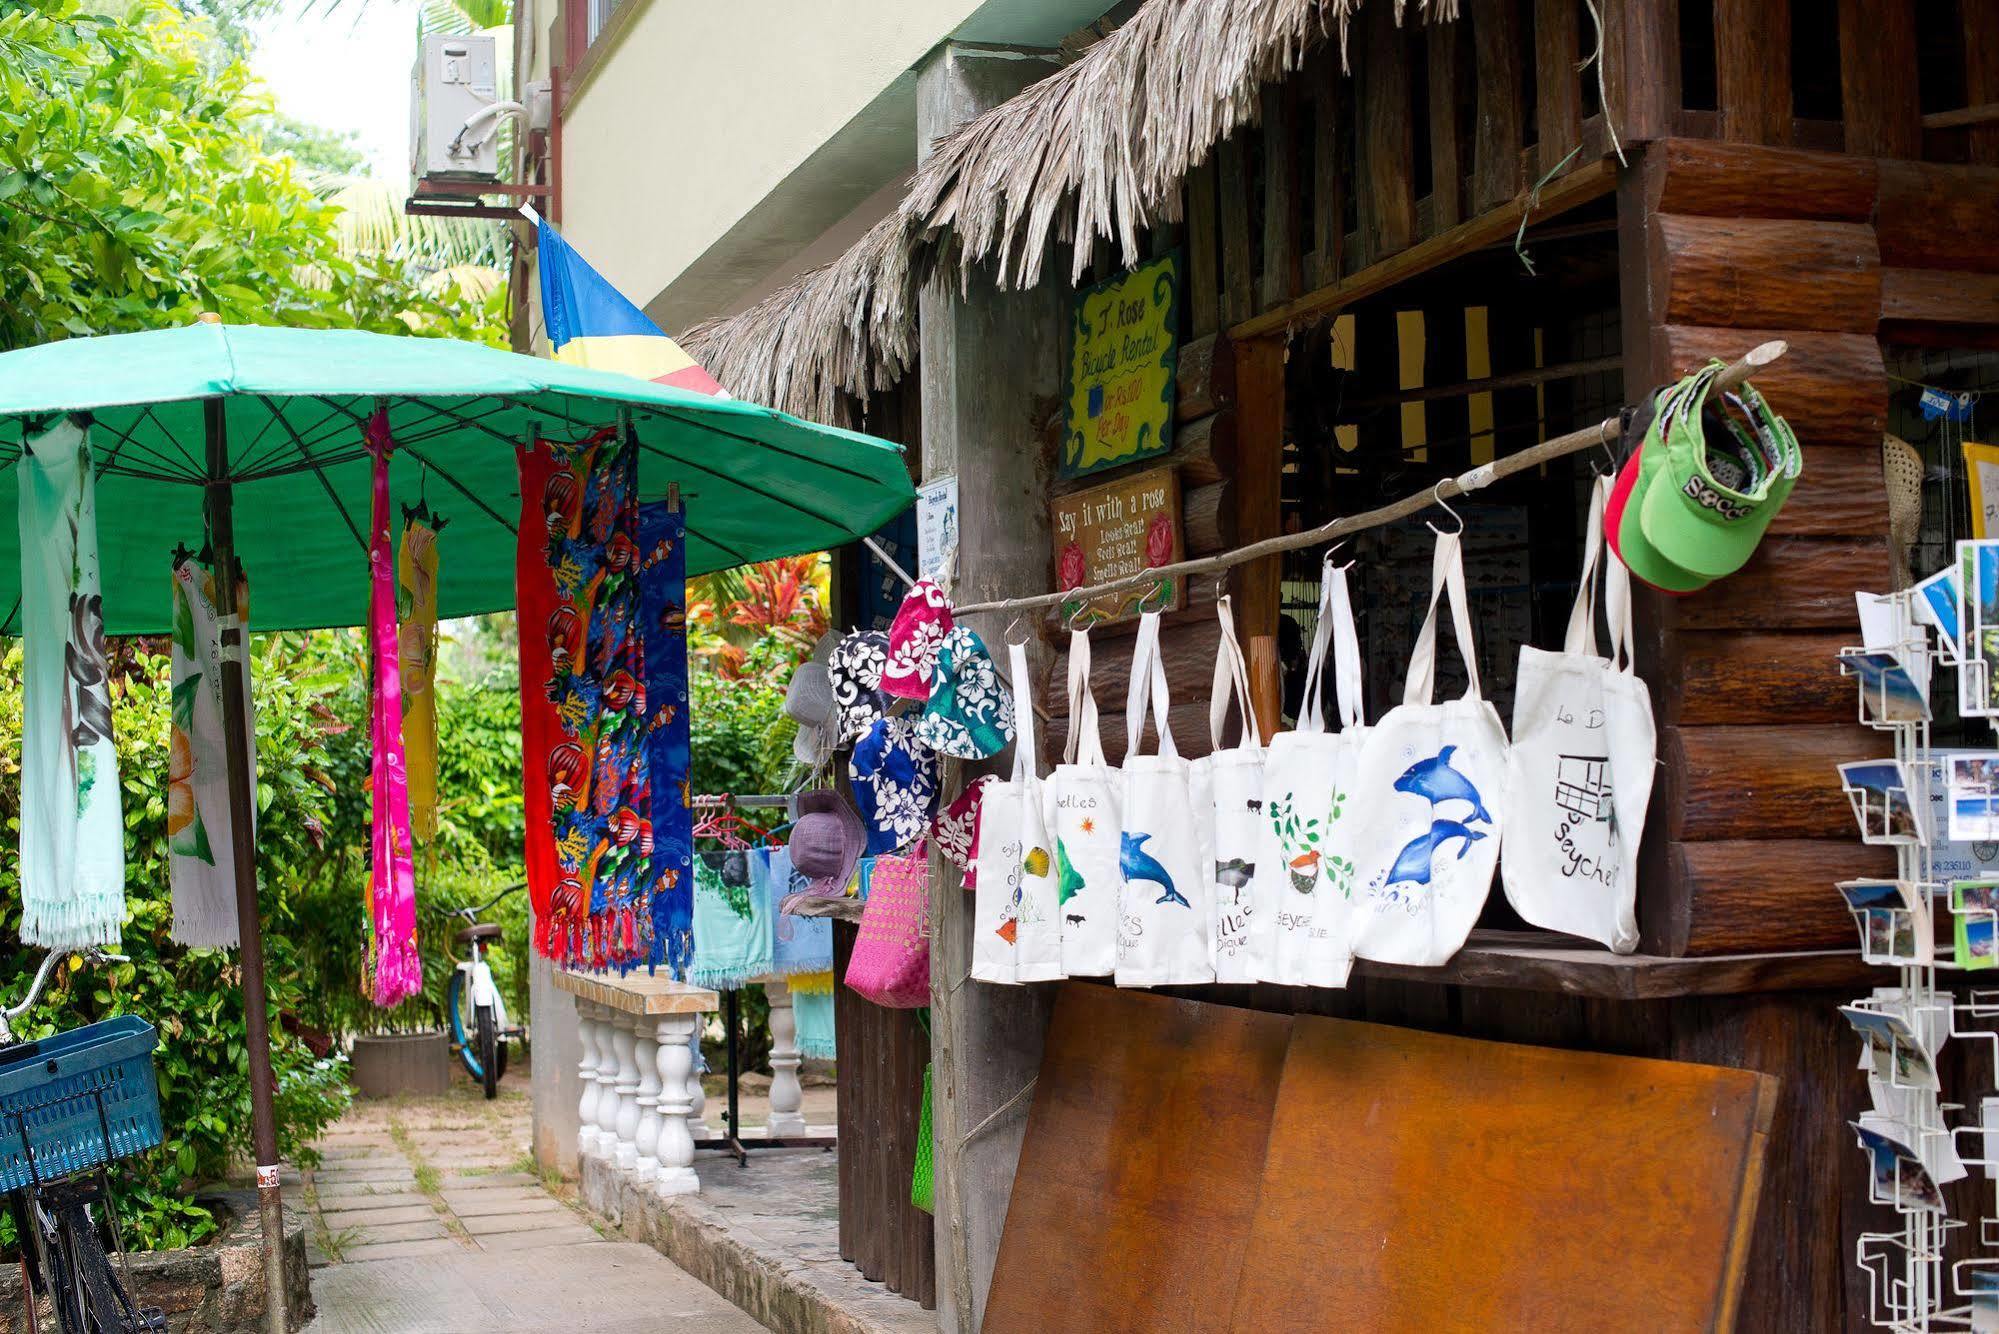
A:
{"points": [[1590, 437]]}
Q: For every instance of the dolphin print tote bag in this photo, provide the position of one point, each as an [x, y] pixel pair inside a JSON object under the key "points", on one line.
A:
{"points": [[1303, 880], [1579, 774], [1227, 788], [1167, 916], [1084, 794], [1429, 785], [1038, 935]]}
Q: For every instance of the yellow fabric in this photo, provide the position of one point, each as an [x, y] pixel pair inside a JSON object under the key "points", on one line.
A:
{"points": [[643, 355], [416, 641], [811, 984]]}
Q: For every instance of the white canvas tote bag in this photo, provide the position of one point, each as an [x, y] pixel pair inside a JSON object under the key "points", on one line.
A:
{"points": [[1430, 783], [995, 922], [1580, 770], [1304, 876], [1227, 788], [1084, 795], [1167, 914], [1038, 938]]}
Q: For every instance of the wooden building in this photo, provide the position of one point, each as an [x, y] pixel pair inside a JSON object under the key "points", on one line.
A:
{"points": [[1496, 227]]}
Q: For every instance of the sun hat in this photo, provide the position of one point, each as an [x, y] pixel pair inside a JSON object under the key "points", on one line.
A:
{"points": [[826, 841], [921, 624], [813, 744], [1659, 572], [1714, 470], [957, 827], [856, 672], [808, 700], [970, 713], [894, 783]]}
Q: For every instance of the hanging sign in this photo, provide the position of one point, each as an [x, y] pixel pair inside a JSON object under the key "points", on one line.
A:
{"points": [[1118, 529], [936, 526], [1123, 347]]}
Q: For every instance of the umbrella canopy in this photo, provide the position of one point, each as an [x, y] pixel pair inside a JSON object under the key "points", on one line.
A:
{"points": [[756, 483]]}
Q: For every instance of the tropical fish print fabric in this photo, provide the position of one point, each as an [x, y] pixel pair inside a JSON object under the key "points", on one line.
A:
{"points": [[669, 742], [72, 825], [534, 604], [201, 855], [416, 644], [392, 970], [598, 768]]}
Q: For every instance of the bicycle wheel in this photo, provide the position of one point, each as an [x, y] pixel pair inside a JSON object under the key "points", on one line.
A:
{"points": [[489, 1052], [464, 1036]]}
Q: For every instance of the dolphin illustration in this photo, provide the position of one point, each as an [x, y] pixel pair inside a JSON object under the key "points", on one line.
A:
{"points": [[1235, 873], [1412, 864], [1138, 864], [1436, 780]]}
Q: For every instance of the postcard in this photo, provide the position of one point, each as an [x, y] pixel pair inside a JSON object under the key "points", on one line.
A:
{"points": [[1974, 896], [1976, 937], [1937, 604], [1937, 1152], [1978, 668], [1888, 694], [1973, 781], [1880, 793], [1982, 1286], [1898, 1055], [1893, 916], [1899, 1175]]}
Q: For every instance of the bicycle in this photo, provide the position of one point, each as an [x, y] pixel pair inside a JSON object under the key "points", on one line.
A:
{"points": [[478, 1017], [69, 1104]]}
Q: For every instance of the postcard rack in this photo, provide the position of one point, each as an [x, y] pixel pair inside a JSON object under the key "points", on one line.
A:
{"points": [[1916, 1142]]}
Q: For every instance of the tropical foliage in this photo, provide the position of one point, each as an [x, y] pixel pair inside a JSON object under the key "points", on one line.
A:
{"points": [[732, 611]]}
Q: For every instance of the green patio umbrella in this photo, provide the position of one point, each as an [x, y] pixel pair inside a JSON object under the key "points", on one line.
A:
{"points": [[252, 437]]}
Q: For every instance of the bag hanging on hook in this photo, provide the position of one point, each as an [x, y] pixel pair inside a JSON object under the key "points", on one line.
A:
{"points": [[1016, 933], [1166, 918], [1580, 770], [1085, 798], [1430, 784], [1227, 787], [1304, 875]]}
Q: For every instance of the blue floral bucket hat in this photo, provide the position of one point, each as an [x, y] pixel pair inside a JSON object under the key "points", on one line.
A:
{"points": [[970, 714], [895, 784]]}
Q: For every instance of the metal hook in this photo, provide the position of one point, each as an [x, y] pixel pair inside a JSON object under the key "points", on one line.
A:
{"points": [[1012, 626], [1437, 498], [1158, 586], [1082, 610]]}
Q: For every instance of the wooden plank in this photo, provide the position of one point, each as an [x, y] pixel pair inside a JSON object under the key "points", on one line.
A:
{"points": [[1832, 388], [1328, 184], [1752, 676], [1204, 378], [1447, 168], [1934, 296], [1208, 517], [1643, 45], [1387, 137], [1591, 1146], [1238, 282], [1878, 79], [1791, 583], [1282, 274], [1558, 89], [1757, 782], [1259, 480], [1488, 228], [1938, 216], [1740, 272], [1204, 284], [1124, 1217], [850, 1116], [1496, 174], [1981, 76], [1204, 450], [1752, 66], [1841, 494], [1710, 179], [1761, 895]]}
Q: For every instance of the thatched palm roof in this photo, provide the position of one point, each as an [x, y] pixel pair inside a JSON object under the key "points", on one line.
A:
{"points": [[1096, 150]]}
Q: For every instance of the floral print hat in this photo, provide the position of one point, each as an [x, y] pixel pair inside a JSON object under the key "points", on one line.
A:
{"points": [[856, 673], [895, 784], [921, 624], [970, 714]]}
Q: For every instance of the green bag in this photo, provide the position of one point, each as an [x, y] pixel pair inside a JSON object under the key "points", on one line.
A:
{"points": [[922, 1175]]}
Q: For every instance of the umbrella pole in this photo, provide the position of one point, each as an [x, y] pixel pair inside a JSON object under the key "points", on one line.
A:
{"points": [[220, 506]]}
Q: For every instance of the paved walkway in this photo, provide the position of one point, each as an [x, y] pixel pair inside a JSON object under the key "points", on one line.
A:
{"points": [[428, 1220]]}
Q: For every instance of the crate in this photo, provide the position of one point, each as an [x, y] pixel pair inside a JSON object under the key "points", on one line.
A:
{"points": [[59, 1097]]}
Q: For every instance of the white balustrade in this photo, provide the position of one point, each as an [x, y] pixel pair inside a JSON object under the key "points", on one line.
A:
{"points": [[786, 1097], [588, 1030], [676, 1144], [625, 1085], [697, 1096], [645, 1168]]}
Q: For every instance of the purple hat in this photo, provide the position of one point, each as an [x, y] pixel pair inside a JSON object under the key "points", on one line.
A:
{"points": [[920, 626], [826, 841]]}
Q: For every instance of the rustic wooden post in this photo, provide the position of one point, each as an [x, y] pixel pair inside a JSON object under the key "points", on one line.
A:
{"points": [[1259, 481], [992, 371]]}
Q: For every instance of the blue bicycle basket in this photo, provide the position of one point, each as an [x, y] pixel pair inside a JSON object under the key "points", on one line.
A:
{"points": [[74, 1100]]}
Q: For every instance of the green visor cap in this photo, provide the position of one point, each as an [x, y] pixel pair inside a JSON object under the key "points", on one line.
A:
{"points": [[1633, 547], [1725, 470]]}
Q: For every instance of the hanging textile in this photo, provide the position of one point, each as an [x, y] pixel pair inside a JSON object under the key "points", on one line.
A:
{"points": [[669, 742], [201, 855], [732, 926], [812, 1011], [800, 945], [391, 970], [416, 638], [535, 604], [597, 773], [72, 825]]}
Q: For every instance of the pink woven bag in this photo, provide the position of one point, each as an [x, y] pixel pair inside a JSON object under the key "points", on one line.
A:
{"points": [[891, 961]]}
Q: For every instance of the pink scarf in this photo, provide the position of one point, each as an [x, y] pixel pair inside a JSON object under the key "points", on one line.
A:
{"points": [[396, 970]]}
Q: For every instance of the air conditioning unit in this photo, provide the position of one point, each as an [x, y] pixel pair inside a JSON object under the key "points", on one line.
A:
{"points": [[454, 127]]}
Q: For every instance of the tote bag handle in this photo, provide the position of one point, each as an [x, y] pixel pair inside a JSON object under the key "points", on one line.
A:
{"points": [[1311, 710], [1024, 759], [1231, 683], [1581, 638], [1148, 685], [1617, 609], [1085, 745], [1346, 650], [1447, 577]]}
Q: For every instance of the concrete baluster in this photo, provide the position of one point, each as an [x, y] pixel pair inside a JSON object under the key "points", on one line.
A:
{"points": [[625, 1086], [676, 1145], [588, 1031], [646, 1052], [786, 1096], [697, 1096]]}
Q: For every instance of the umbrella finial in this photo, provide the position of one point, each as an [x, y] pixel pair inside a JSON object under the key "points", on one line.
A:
{"points": [[208, 317]]}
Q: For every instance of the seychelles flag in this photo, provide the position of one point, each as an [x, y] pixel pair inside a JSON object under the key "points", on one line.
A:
{"points": [[590, 323]]}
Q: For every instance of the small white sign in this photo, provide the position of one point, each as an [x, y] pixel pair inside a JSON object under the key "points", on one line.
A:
{"points": [[936, 526]]}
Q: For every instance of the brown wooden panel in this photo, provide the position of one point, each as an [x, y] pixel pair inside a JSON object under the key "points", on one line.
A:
{"points": [[1204, 450], [1496, 174], [1757, 272], [1877, 78], [1204, 378], [1752, 65], [1328, 189], [1386, 138], [1832, 388], [1415, 1181], [1756, 895], [1981, 75], [1282, 261], [1749, 676], [1935, 296], [1758, 782], [1238, 281], [1132, 1206], [1204, 282], [1840, 494], [1935, 216], [1791, 583], [1209, 519], [1447, 167], [1558, 90], [1259, 481], [1642, 49], [1704, 178]]}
